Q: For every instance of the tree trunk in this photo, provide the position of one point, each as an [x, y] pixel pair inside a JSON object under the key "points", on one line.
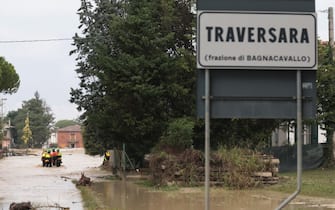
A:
{"points": [[329, 150]]}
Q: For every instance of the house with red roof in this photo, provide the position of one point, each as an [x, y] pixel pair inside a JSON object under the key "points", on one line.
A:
{"points": [[70, 137]]}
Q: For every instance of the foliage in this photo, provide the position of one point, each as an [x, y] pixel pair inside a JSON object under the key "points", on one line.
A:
{"points": [[240, 164], [136, 65], [9, 79], [253, 134], [65, 123], [326, 98], [178, 135], [40, 120], [235, 168], [27, 134], [9, 82], [184, 168]]}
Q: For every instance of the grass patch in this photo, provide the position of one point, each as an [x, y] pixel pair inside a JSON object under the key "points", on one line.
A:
{"points": [[110, 178], [150, 184], [145, 183], [318, 182]]}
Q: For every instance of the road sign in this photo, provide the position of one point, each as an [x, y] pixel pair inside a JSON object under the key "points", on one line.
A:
{"points": [[262, 40], [256, 94], [237, 35]]}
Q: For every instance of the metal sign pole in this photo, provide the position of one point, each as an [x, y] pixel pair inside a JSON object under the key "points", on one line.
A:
{"points": [[299, 144], [331, 31], [207, 138]]}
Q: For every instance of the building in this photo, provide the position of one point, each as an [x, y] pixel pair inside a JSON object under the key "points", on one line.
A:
{"points": [[7, 141], [70, 137], [285, 135]]}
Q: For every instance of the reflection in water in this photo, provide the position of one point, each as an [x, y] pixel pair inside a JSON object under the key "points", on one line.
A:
{"points": [[129, 196]]}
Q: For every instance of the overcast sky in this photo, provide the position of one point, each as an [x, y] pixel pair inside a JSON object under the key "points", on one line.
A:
{"points": [[46, 67]]}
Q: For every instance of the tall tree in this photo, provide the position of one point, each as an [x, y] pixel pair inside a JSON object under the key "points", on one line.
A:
{"points": [[136, 64], [26, 132], [40, 120], [9, 79], [65, 123], [326, 98]]}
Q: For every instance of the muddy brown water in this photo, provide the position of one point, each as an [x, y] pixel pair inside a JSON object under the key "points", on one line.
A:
{"points": [[122, 195], [22, 178]]}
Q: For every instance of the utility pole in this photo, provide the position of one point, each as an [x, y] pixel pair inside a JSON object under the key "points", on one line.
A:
{"points": [[331, 32], [2, 107], [2, 115]]}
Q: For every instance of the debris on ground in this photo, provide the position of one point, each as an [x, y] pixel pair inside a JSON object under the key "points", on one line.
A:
{"points": [[235, 168], [65, 178], [30, 206], [20, 206], [84, 180]]}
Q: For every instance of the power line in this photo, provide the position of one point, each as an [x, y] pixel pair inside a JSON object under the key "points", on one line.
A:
{"points": [[34, 40]]}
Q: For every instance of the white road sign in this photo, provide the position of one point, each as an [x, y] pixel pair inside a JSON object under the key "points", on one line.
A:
{"points": [[256, 40]]}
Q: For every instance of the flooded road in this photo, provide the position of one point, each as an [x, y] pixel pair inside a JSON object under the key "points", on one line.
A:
{"points": [[22, 179], [130, 196]]}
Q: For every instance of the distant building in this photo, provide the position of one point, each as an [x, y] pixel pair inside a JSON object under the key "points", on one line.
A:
{"points": [[285, 135], [7, 141], [70, 137]]}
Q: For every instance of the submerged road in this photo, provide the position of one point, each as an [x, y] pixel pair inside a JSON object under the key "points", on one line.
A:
{"points": [[23, 179]]}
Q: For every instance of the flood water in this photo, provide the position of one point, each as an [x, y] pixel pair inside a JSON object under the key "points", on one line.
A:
{"points": [[130, 196], [22, 179]]}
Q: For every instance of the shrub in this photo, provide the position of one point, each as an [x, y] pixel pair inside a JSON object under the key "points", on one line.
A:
{"points": [[178, 136], [240, 166]]}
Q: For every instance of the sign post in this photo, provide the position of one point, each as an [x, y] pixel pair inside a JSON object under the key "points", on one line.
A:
{"points": [[207, 138], [299, 145], [275, 38]]}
